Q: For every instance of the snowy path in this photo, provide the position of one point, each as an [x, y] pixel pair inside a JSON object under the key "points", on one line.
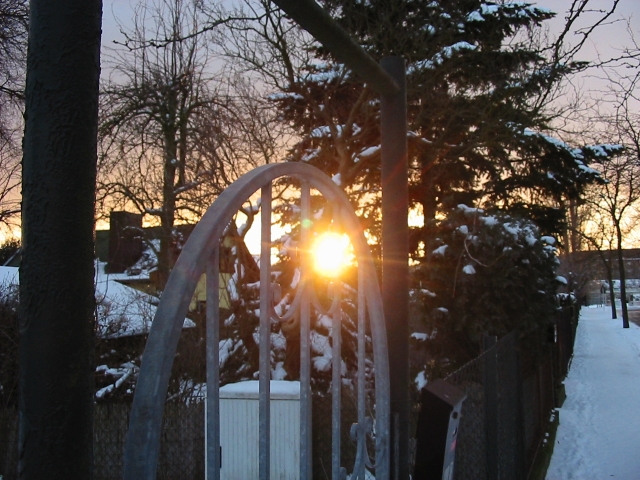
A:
{"points": [[599, 433]]}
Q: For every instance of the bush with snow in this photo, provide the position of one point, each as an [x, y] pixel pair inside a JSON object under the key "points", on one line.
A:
{"points": [[489, 273]]}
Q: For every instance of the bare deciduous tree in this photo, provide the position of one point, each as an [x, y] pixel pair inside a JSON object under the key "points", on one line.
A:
{"points": [[13, 40], [13, 45], [174, 134], [609, 210], [614, 201]]}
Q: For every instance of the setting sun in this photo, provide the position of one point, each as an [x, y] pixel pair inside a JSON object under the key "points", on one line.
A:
{"points": [[331, 254]]}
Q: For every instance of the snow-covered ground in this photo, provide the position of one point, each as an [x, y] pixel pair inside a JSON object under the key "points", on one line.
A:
{"points": [[599, 432]]}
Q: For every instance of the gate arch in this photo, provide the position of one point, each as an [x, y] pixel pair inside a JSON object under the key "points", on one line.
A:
{"points": [[200, 255]]}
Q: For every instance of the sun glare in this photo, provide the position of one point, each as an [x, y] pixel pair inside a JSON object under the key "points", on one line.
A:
{"points": [[331, 254]]}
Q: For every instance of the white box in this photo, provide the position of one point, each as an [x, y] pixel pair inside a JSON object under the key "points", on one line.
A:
{"points": [[239, 430]]}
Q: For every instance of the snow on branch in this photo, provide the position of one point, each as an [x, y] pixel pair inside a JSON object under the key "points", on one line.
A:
{"points": [[441, 56]]}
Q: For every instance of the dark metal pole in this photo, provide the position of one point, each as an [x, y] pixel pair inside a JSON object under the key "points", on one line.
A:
{"points": [[395, 255], [315, 20], [56, 275]]}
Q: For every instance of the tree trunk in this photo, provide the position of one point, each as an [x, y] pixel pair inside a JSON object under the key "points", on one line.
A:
{"points": [[612, 294], [623, 286], [165, 254], [56, 275], [609, 270], [167, 218], [573, 216]]}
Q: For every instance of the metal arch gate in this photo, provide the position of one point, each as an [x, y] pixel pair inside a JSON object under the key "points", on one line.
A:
{"points": [[200, 255]]}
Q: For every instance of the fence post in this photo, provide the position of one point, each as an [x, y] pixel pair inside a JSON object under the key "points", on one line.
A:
{"points": [[511, 360], [491, 405]]}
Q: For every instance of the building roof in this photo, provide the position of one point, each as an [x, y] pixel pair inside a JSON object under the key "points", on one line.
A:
{"points": [[122, 311]]}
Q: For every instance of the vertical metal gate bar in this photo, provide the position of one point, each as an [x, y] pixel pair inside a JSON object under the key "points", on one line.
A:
{"points": [[362, 314], [336, 380], [265, 332], [212, 411], [305, 338]]}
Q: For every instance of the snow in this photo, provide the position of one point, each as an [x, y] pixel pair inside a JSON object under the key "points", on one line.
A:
{"points": [[446, 53], [530, 238], [599, 424], [604, 150], [475, 17], [320, 344], [324, 74], [123, 373], [229, 321], [323, 131], [232, 289], [489, 220], [367, 152], [489, 9], [512, 229], [586, 169], [278, 341], [325, 321], [429, 29], [469, 210], [310, 154], [421, 380], [561, 279], [279, 373], [440, 250], [8, 276], [427, 292], [322, 364], [285, 95], [469, 269], [122, 310], [420, 336], [296, 278], [224, 351]]}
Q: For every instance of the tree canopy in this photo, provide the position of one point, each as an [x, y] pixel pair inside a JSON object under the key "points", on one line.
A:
{"points": [[479, 82]]}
